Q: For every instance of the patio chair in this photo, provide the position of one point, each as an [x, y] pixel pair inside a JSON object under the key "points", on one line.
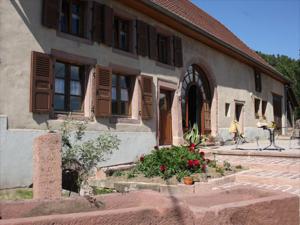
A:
{"points": [[294, 136]]}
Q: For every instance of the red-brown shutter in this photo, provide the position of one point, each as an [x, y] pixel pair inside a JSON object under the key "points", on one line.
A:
{"points": [[102, 88], [206, 121], [97, 22], [142, 38], [41, 83], [152, 43], [50, 15], [177, 51], [147, 97], [108, 25], [169, 50]]}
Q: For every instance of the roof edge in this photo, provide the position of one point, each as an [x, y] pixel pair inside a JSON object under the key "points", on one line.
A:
{"points": [[270, 69]]}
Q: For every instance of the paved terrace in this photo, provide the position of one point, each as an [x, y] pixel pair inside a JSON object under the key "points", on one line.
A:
{"points": [[268, 169]]}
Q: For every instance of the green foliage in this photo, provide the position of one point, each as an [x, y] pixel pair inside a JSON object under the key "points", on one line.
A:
{"points": [[220, 170], [227, 165], [176, 161], [86, 153], [101, 191], [132, 173], [192, 135], [290, 68], [239, 167], [117, 173]]}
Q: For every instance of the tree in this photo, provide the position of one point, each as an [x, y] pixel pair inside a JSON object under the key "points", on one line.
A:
{"points": [[290, 68]]}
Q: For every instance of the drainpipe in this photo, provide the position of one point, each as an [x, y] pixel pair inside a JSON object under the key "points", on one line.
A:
{"points": [[284, 130]]}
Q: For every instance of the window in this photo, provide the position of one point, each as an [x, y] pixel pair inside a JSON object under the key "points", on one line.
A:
{"points": [[72, 17], [121, 94], [162, 44], [256, 108], [263, 109], [122, 34], [69, 86], [257, 77], [227, 109]]}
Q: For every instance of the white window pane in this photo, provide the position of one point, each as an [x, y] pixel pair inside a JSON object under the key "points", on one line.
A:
{"points": [[124, 95], [75, 88], [113, 94], [59, 86]]}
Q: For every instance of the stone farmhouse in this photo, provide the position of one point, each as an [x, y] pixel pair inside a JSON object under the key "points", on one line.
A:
{"points": [[146, 70]]}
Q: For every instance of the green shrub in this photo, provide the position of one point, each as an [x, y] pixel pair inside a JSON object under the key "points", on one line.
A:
{"points": [[84, 155], [175, 161]]}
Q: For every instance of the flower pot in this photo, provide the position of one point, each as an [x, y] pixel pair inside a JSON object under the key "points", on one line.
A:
{"points": [[188, 181]]}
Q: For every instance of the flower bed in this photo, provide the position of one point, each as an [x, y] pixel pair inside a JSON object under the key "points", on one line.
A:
{"points": [[171, 165]]}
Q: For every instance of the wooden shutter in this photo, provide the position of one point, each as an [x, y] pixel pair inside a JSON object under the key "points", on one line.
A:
{"points": [[142, 38], [108, 25], [50, 15], [206, 120], [102, 92], [147, 97], [169, 50], [177, 51], [41, 83], [97, 22], [152, 42]]}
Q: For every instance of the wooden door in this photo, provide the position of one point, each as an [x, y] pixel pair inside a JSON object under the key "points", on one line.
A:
{"points": [[165, 117], [277, 110]]}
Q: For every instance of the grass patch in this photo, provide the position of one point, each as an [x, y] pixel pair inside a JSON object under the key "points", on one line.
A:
{"points": [[16, 194], [102, 191]]}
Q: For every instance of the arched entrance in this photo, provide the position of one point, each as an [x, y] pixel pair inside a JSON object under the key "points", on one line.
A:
{"points": [[196, 100]]}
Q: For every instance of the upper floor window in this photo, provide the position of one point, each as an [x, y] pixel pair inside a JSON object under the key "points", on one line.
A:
{"points": [[257, 77], [162, 47], [121, 94], [122, 34], [69, 87], [72, 17]]}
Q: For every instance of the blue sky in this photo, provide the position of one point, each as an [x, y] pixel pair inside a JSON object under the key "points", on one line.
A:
{"points": [[270, 26]]}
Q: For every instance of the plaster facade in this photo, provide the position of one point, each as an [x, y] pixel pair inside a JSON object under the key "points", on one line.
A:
{"points": [[22, 32]]}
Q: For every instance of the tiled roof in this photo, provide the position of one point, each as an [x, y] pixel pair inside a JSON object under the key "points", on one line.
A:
{"points": [[196, 16]]}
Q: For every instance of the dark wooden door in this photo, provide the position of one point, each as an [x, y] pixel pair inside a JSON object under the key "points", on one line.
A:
{"points": [[277, 110], [165, 117]]}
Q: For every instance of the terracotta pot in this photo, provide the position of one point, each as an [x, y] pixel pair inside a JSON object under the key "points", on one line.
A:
{"points": [[188, 180]]}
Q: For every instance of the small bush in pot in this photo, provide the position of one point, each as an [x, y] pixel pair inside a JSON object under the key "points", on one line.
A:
{"points": [[79, 156]]}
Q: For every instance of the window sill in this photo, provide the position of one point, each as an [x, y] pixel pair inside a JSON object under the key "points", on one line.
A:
{"points": [[166, 66], [125, 53], [73, 37], [68, 115], [115, 120]]}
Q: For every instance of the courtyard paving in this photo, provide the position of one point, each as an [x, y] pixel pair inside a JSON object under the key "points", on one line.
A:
{"points": [[272, 170]]}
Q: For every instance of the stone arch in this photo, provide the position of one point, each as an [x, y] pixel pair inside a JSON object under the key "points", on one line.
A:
{"points": [[208, 72]]}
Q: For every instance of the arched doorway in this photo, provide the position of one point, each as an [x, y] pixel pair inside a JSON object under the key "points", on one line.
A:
{"points": [[196, 100]]}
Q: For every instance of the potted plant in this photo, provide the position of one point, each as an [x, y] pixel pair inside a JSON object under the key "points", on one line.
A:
{"points": [[80, 157], [188, 180]]}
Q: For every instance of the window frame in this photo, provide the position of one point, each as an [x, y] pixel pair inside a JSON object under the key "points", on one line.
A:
{"points": [[118, 95], [160, 53], [256, 107], [257, 81], [67, 84], [82, 19], [117, 33]]}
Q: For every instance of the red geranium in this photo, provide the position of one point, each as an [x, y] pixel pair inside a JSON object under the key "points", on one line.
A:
{"points": [[142, 158], [203, 168], [207, 161], [202, 154], [192, 145], [190, 163], [162, 168], [196, 162]]}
